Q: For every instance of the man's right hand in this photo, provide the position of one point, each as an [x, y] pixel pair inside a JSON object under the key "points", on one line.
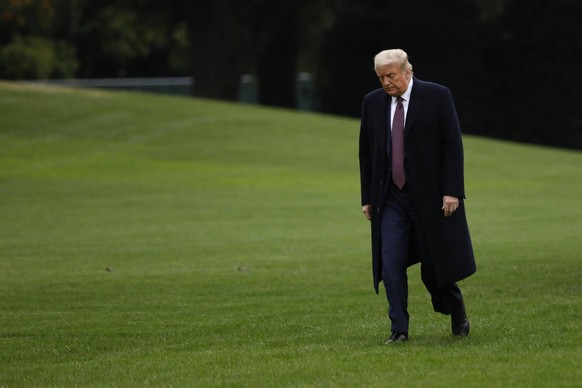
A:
{"points": [[367, 210]]}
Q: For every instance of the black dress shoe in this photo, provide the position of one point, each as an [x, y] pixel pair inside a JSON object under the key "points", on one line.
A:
{"points": [[397, 337], [460, 329]]}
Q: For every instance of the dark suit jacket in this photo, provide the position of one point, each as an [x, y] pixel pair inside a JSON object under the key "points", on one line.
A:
{"points": [[434, 168]]}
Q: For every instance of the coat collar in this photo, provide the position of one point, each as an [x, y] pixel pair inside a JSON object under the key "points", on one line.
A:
{"points": [[417, 95], [415, 105], [384, 102]]}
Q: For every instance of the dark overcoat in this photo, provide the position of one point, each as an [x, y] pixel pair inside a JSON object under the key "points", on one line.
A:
{"points": [[434, 168]]}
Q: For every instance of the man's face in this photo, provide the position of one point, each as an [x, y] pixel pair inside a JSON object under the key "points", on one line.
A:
{"points": [[394, 81]]}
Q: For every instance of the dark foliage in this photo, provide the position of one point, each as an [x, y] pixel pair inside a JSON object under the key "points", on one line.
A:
{"points": [[512, 66], [512, 75]]}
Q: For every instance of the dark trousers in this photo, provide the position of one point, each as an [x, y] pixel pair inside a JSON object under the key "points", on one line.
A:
{"points": [[401, 228]]}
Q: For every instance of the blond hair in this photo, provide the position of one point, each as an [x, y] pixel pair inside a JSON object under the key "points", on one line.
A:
{"points": [[392, 57]]}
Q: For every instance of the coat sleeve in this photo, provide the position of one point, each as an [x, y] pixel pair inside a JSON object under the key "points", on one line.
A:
{"points": [[365, 158], [453, 174]]}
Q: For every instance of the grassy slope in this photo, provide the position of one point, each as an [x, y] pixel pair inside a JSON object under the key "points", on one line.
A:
{"points": [[240, 256]]}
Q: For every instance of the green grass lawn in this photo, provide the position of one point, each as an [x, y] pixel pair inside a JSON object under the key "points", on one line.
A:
{"points": [[149, 240]]}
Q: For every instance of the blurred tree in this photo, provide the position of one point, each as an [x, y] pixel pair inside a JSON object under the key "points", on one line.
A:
{"points": [[110, 38], [501, 60], [26, 17], [30, 43], [534, 61], [345, 69], [276, 62], [440, 36], [34, 57], [221, 45], [229, 38], [130, 38]]}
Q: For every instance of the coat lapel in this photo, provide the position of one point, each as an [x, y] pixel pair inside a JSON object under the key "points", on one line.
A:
{"points": [[384, 123], [414, 106]]}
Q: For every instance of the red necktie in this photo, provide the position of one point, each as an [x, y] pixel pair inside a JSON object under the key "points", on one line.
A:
{"points": [[398, 175]]}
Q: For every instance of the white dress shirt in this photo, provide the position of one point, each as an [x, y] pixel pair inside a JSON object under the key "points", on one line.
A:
{"points": [[406, 99]]}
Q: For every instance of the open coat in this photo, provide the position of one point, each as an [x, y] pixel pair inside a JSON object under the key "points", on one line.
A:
{"points": [[434, 168]]}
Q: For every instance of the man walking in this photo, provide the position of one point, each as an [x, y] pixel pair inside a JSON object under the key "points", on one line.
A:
{"points": [[412, 183]]}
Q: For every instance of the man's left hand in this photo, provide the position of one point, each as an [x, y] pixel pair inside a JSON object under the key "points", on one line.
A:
{"points": [[450, 204]]}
